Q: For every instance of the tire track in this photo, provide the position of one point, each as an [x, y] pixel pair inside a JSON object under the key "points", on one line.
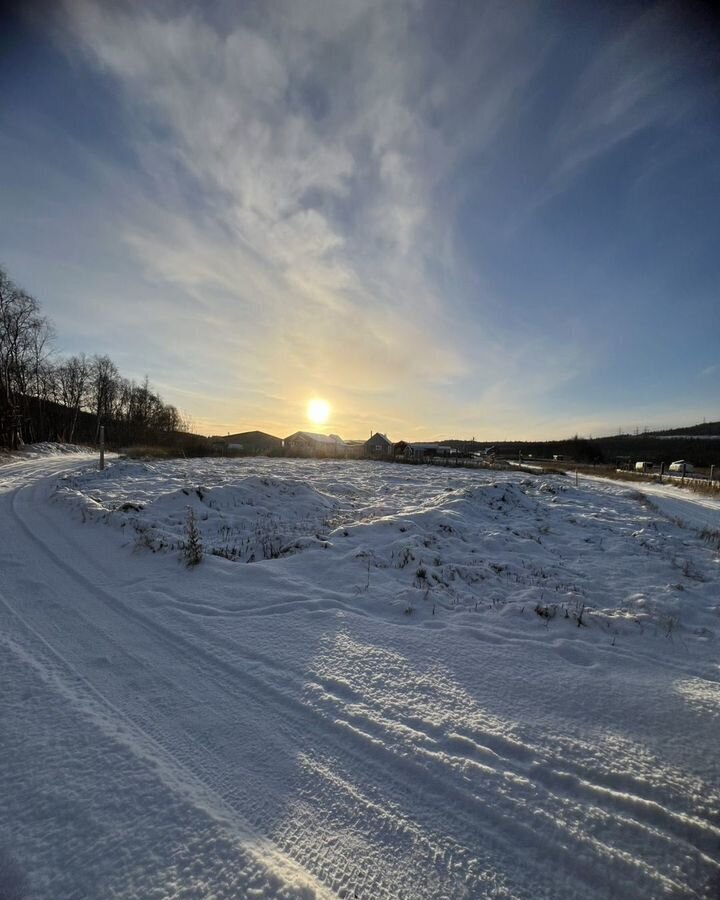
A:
{"points": [[60, 674]]}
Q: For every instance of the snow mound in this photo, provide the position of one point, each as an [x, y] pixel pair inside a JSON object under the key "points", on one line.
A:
{"points": [[255, 518], [50, 448], [424, 541]]}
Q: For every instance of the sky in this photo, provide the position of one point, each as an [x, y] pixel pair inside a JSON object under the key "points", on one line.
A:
{"points": [[446, 219]]}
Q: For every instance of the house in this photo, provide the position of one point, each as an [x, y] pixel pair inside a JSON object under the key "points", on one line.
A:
{"points": [[424, 452], [378, 446], [306, 443], [419, 451]]}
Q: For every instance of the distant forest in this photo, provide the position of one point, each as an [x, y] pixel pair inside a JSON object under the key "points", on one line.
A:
{"points": [[695, 444], [47, 397]]}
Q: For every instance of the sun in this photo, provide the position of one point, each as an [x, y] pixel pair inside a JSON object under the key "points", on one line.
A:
{"points": [[318, 411]]}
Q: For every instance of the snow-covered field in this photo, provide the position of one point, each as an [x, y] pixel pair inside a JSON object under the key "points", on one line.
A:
{"points": [[382, 681]]}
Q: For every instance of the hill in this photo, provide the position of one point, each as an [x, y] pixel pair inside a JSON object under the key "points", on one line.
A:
{"points": [[700, 444]]}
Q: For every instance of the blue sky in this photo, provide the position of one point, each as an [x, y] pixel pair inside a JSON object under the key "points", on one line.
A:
{"points": [[447, 219]]}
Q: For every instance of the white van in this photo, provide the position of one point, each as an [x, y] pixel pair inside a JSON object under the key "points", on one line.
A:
{"points": [[681, 467]]}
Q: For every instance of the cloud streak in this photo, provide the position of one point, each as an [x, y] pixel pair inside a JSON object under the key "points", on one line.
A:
{"points": [[296, 193], [317, 214]]}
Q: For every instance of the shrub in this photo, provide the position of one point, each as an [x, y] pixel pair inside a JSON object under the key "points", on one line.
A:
{"points": [[192, 545]]}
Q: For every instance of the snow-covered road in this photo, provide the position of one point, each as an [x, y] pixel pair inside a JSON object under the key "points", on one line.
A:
{"points": [[335, 721]]}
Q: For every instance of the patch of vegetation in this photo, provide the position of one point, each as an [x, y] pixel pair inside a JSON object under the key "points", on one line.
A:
{"points": [[151, 452], [192, 545]]}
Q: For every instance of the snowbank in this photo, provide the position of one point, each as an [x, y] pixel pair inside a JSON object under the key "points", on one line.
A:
{"points": [[50, 448]]}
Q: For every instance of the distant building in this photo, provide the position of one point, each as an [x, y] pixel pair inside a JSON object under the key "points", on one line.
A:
{"points": [[378, 446], [248, 443], [681, 466], [354, 449], [306, 443], [427, 451]]}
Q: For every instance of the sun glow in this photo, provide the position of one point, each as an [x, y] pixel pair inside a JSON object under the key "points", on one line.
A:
{"points": [[318, 411]]}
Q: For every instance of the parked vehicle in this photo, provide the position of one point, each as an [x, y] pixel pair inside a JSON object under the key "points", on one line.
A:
{"points": [[643, 466], [681, 467]]}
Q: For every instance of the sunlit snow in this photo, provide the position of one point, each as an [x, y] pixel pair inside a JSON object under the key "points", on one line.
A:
{"points": [[382, 681]]}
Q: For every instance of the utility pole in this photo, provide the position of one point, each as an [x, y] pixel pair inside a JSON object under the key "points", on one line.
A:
{"points": [[102, 447]]}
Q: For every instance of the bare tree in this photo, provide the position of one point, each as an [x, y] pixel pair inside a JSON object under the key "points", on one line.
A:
{"points": [[74, 380], [104, 386], [24, 334], [41, 399]]}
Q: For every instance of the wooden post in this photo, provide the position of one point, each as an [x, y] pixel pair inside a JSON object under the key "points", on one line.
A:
{"points": [[576, 480], [712, 471], [102, 447]]}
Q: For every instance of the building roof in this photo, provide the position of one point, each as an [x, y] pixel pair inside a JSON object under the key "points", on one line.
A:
{"points": [[323, 439], [383, 437], [252, 436]]}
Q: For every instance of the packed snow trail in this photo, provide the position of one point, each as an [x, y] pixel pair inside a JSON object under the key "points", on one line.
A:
{"points": [[153, 798], [692, 508], [278, 730]]}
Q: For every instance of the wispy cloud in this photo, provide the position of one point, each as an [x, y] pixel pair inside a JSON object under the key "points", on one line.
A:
{"points": [[314, 138], [623, 90], [634, 78], [294, 200]]}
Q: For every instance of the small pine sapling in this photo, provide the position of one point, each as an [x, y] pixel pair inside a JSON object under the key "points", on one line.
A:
{"points": [[192, 545]]}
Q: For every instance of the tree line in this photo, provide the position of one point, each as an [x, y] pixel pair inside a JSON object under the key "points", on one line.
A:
{"points": [[47, 397]]}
